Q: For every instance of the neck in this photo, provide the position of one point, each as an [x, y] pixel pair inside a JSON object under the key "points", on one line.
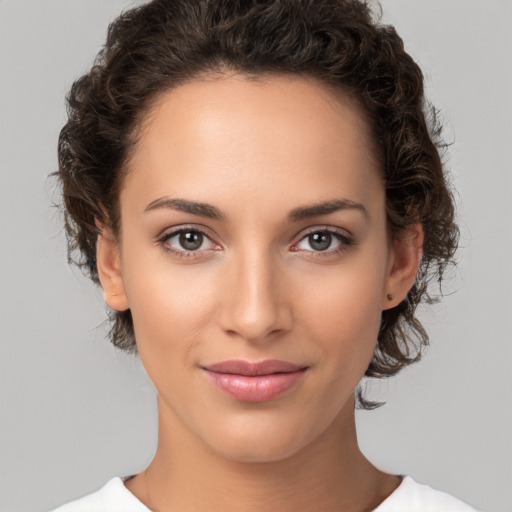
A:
{"points": [[330, 474]]}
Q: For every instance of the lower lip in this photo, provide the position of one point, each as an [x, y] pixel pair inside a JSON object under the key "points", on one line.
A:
{"points": [[258, 388]]}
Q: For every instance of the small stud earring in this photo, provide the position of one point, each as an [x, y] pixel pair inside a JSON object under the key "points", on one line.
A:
{"points": [[389, 296]]}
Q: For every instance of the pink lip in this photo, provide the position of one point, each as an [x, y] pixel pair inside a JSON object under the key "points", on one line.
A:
{"points": [[255, 381]]}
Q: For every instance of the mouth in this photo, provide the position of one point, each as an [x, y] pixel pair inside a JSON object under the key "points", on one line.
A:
{"points": [[250, 381]]}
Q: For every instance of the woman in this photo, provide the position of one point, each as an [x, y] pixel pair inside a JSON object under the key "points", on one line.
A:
{"points": [[258, 192]]}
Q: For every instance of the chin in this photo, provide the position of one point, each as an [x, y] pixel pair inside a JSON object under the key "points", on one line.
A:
{"points": [[260, 441], [258, 451]]}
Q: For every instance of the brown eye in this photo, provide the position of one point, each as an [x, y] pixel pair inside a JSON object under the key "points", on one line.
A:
{"points": [[325, 241], [320, 241], [187, 241], [191, 240]]}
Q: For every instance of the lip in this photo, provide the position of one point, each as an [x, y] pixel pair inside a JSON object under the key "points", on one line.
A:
{"points": [[259, 381]]}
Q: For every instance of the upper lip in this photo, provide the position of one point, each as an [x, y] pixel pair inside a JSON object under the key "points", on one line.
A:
{"points": [[254, 368]]}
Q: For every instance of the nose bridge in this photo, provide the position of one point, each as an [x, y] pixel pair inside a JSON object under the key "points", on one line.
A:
{"points": [[253, 305]]}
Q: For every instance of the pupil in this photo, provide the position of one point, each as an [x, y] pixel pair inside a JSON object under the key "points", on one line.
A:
{"points": [[191, 240], [320, 241]]}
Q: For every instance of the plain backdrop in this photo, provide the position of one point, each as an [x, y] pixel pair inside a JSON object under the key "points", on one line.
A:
{"points": [[74, 412]]}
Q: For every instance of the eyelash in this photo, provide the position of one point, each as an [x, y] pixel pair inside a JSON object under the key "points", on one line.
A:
{"points": [[344, 241]]}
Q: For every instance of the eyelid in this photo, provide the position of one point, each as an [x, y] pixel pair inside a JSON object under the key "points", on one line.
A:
{"points": [[325, 228], [172, 230]]}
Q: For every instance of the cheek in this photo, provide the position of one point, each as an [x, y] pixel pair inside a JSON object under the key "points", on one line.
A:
{"points": [[170, 304], [352, 322], [342, 312]]}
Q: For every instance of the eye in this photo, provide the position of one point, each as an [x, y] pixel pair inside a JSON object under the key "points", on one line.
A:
{"points": [[185, 241], [323, 240]]}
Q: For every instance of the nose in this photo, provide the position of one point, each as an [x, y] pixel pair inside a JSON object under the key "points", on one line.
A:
{"points": [[253, 304]]}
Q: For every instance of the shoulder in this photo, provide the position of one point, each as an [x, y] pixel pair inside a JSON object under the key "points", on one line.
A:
{"points": [[112, 497], [411, 496]]}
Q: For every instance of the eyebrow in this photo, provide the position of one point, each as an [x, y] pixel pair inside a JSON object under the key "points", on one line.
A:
{"points": [[335, 205], [182, 205], [297, 214]]}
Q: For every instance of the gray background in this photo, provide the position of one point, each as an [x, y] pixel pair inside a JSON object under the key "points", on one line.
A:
{"points": [[74, 412]]}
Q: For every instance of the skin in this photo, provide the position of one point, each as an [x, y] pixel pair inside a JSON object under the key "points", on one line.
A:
{"points": [[256, 289]]}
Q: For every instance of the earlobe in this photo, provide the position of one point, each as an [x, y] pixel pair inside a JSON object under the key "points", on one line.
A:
{"points": [[403, 266], [109, 269]]}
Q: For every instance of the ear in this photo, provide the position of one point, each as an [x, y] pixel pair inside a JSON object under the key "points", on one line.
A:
{"points": [[403, 265], [109, 269]]}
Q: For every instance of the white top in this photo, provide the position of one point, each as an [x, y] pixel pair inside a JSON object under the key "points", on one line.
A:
{"points": [[410, 496]]}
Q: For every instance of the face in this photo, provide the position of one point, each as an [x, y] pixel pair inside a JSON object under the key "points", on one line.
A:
{"points": [[255, 260]]}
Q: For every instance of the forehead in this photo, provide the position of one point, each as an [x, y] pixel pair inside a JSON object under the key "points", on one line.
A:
{"points": [[232, 134], [253, 102]]}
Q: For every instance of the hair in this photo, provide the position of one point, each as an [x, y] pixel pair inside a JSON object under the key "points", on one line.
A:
{"points": [[155, 47]]}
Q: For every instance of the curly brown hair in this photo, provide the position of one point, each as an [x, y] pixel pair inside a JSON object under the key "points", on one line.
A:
{"points": [[155, 47]]}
